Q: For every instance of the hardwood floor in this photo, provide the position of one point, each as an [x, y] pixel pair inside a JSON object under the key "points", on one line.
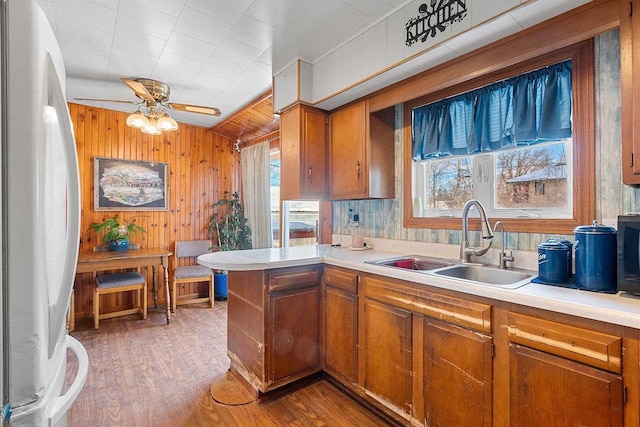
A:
{"points": [[148, 373]]}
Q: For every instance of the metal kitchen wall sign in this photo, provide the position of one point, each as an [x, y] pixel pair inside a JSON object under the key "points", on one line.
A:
{"points": [[434, 18]]}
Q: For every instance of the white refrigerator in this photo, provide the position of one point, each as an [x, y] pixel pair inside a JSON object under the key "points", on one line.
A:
{"points": [[40, 218]]}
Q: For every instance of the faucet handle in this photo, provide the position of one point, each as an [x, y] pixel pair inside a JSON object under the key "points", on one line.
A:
{"points": [[504, 259]]}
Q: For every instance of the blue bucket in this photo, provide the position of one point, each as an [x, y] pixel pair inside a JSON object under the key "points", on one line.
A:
{"points": [[220, 286]]}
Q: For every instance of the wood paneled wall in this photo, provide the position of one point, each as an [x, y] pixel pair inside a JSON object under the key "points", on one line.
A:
{"points": [[202, 165]]}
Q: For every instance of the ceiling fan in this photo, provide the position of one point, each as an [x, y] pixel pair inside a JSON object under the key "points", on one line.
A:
{"points": [[152, 116]]}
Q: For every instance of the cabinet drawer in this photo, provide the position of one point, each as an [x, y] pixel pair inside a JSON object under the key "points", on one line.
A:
{"points": [[582, 345], [341, 279], [293, 278], [449, 309]]}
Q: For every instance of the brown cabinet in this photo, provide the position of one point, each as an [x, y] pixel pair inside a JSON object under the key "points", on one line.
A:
{"points": [[341, 324], [630, 91], [548, 390], [563, 375], [387, 344], [362, 153], [457, 376], [303, 153], [273, 325]]}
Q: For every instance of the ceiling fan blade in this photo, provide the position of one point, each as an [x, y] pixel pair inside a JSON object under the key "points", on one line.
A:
{"points": [[211, 111], [108, 100], [139, 89]]}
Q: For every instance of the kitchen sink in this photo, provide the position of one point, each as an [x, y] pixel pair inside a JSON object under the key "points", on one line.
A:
{"points": [[414, 262], [472, 273], [484, 275]]}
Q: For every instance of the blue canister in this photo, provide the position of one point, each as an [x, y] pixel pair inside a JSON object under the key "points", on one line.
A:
{"points": [[569, 245], [552, 261], [596, 262]]}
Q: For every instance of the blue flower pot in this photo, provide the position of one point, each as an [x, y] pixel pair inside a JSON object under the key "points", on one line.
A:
{"points": [[118, 245]]}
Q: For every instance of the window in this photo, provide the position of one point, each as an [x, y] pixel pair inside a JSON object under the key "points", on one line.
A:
{"points": [[509, 183], [530, 177]]}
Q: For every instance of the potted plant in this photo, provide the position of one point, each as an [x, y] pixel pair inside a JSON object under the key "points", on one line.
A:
{"points": [[231, 232], [117, 235], [228, 224]]}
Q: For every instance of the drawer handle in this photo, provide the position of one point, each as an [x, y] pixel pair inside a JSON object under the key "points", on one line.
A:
{"points": [[358, 168], [310, 173]]}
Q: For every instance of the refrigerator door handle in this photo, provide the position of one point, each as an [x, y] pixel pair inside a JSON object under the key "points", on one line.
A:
{"points": [[63, 403]]}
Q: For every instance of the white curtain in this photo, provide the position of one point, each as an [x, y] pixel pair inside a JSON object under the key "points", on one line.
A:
{"points": [[255, 167]]}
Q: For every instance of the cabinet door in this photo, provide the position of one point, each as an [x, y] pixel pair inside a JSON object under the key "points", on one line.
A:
{"points": [[349, 168], [630, 90], [457, 376], [341, 333], [303, 153], [293, 343], [387, 346], [548, 390], [313, 179]]}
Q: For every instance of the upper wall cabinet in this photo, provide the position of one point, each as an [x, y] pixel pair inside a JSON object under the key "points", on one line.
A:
{"points": [[630, 90], [362, 153], [303, 154]]}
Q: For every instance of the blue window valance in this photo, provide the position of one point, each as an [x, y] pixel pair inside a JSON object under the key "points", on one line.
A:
{"points": [[523, 110]]}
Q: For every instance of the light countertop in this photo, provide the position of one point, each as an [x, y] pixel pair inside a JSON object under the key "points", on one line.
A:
{"points": [[621, 308]]}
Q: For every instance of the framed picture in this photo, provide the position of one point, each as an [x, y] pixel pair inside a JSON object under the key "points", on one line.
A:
{"points": [[129, 185]]}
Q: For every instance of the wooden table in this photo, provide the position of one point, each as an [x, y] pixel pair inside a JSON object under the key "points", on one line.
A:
{"points": [[93, 262]]}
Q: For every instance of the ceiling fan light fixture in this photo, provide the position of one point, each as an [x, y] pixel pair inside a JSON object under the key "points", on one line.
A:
{"points": [[166, 123], [151, 128], [137, 120]]}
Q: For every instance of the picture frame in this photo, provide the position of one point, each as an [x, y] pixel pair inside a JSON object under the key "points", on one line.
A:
{"points": [[129, 185]]}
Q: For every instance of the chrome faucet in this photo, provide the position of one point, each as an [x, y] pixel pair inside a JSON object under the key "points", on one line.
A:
{"points": [[465, 250], [504, 258]]}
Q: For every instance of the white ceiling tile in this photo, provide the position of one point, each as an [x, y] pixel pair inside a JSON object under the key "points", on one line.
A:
{"points": [[224, 10], [266, 57], [375, 8], [222, 68], [181, 64], [259, 72], [132, 39], [130, 64], [84, 62], [209, 84], [145, 20], [170, 7], [202, 26], [282, 14], [111, 4], [86, 13], [252, 32], [92, 38], [189, 47], [237, 52], [176, 80]]}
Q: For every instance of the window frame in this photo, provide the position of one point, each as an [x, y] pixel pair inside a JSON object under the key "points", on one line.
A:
{"points": [[583, 77]]}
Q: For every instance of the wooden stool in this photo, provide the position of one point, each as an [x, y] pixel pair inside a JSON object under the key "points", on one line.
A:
{"points": [[119, 282]]}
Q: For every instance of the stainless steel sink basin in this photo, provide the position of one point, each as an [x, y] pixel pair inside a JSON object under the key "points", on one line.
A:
{"points": [[486, 275], [413, 262]]}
